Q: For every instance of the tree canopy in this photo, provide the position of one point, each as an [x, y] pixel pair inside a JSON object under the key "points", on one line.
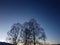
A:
{"points": [[27, 32]]}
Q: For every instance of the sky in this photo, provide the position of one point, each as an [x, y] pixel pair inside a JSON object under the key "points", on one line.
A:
{"points": [[46, 13]]}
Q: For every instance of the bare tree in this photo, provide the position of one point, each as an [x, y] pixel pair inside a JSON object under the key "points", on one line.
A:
{"points": [[32, 32], [27, 32], [36, 31], [43, 35], [13, 33]]}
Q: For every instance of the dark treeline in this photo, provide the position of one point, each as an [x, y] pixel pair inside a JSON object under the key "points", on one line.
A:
{"points": [[4, 43]]}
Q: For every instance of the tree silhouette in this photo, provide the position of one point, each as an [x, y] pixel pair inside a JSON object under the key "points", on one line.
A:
{"points": [[13, 33], [27, 32], [33, 31], [36, 29]]}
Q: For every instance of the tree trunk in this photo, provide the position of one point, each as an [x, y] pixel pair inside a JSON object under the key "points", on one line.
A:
{"points": [[15, 43], [34, 39], [25, 38]]}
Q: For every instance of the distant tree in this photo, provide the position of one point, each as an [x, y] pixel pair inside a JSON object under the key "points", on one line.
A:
{"points": [[13, 33]]}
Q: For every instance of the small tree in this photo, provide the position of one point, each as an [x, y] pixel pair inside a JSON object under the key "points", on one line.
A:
{"points": [[43, 36], [13, 33]]}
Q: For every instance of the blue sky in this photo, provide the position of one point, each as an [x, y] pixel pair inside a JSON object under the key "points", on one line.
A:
{"points": [[47, 14]]}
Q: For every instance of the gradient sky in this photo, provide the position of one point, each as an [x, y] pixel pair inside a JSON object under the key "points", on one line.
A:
{"points": [[47, 14]]}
